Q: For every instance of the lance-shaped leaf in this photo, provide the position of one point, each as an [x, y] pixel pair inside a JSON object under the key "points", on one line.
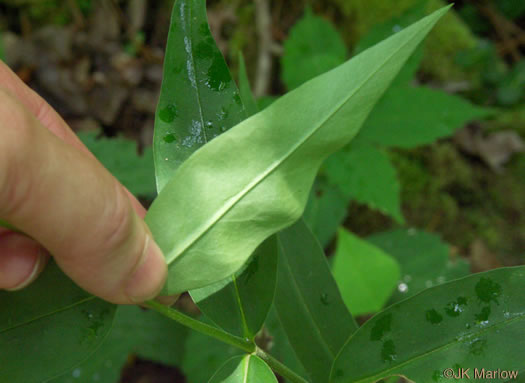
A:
{"points": [[308, 303], [245, 369], [48, 327], [254, 180], [474, 322], [230, 303], [198, 99], [240, 304]]}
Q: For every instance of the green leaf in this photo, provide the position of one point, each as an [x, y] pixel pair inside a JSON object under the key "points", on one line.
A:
{"points": [[308, 303], [423, 257], [245, 185], [198, 99], [265, 101], [313, 47], [408, 117], [366, 275], [135, 331], [240, 304], [244, 369], [325, 211], [474, 322], [245, 90], [120, 157], [365, 173], [281, 349], [49, 327], [204, 355]]}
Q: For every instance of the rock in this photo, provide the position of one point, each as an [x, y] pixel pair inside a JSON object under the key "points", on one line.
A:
{"points": [[495, 149], [106, 102]]}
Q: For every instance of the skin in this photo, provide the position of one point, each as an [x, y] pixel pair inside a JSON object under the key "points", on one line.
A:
{"points": [[67, 204]]}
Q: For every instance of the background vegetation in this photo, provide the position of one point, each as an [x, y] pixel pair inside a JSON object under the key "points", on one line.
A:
{"points": [[432, 188]]}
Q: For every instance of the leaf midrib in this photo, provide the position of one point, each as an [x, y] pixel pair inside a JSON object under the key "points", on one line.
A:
{"points": [[246, 368], [445, 346], [192, 58], [236, 198], [65, 308]]}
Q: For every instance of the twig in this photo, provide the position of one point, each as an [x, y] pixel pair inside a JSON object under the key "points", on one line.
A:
{"points": [[511, 36], [264, 61], [76, 13]]}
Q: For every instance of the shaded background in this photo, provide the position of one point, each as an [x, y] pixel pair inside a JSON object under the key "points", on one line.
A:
{"points": [[99, 63]]}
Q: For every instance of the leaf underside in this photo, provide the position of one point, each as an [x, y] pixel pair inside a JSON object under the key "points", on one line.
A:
{"points": [[208, 227]]}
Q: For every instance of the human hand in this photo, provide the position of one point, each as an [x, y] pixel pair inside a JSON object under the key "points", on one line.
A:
{"points": [[54, 190]]}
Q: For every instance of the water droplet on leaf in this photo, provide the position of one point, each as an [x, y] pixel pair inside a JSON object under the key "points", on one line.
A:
{"points": [[169, 138], [168, 113]]}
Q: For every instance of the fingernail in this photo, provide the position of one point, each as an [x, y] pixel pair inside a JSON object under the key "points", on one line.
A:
{"points": [[35, 271], [149, 276]]}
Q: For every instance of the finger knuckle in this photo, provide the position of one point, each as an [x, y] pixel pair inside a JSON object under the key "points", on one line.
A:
{"points": [[119, 223]]}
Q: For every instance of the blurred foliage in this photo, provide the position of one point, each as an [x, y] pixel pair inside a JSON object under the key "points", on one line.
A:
{"points": [[423, 257], [313, 47], [449, 37], [365, 274], [120, 157], [57, 12]]}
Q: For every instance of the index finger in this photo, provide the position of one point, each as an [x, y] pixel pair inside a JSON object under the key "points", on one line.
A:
{"points": [[48, 117]]}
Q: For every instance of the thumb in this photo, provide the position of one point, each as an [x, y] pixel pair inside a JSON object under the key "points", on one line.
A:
{"points": [[65, 200]]}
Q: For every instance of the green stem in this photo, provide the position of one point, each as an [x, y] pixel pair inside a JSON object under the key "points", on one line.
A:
{"points": [[245, 345], [279, 368]]}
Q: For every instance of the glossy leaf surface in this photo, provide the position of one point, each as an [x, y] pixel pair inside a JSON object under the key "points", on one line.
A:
{"points": [[308, 303], [244, 369], [207, 227], [313, 47], [365, 274], [365, 173], [240, 304], [49, 327], [198, 99], [135, 332], [461, 324], [424, 259]]}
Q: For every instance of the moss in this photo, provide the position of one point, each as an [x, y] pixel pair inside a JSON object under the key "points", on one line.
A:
{"points": [[463, 199], [448, 38]]}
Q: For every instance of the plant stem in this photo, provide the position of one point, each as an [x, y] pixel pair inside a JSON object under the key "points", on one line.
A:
{"points": [[279, 368], [244, 344]]}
